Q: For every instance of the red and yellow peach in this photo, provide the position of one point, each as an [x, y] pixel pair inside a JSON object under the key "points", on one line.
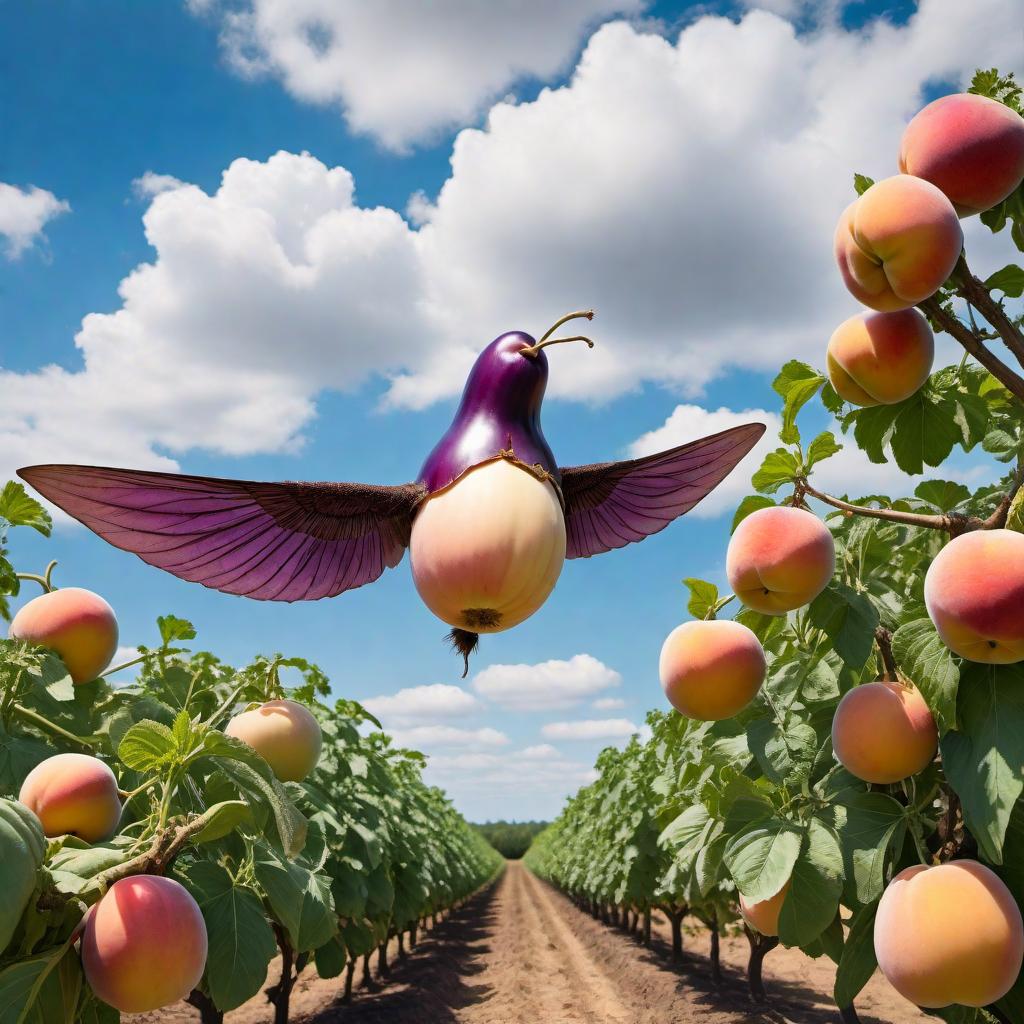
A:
{"points": [[974, 593], [75, 623], [144, 945], [779, 559], [711, 670], [971, 147], [284, 733], [949, 934], [880, 358], [73, 794], [897, 243], [884, 732]]}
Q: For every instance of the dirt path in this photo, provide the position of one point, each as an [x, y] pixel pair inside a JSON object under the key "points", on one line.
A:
{"points": [[520, 953]]}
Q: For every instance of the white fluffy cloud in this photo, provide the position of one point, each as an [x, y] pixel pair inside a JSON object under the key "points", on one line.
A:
{"points": [[403, 70], [23, 214], [547, 685], [152, 184], [590, 729], [433, 737], [608, 704], [436, 701], [688, 189]]}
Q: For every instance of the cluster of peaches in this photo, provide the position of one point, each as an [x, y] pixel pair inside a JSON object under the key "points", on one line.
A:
{"points": [[895, 246], [143, 920]]}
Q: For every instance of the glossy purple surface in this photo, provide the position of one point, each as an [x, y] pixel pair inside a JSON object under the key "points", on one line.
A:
{"points": [[499, 411]]}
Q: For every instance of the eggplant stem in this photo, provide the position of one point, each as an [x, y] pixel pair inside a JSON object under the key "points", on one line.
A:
{"points": [[534, 349], [581, 314]]}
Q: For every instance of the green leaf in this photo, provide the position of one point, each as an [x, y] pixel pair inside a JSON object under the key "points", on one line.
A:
{"points": [[222, 819], [18, 509], [22, 986], [926, 661], [849, 620], [1015, 514], [299, 898], [761, 857], [984, 760], [782, 752], [797, 383], [703, 597], [147, 746], [173, 629], [814, 887], [1009, 280], [858, 962], [241, 941], [330, 958], [870, 826], [822, 447], [751, 503], [861, 183], [779, 467], [942, 495]]}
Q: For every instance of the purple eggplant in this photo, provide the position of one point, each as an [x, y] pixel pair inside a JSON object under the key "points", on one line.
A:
{"points": [[489, 520]]}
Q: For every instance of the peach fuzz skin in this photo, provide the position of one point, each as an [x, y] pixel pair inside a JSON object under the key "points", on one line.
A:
{"points": [[880, 358], [73, 794], [284, 733], [971, 147], [711, 670], [779, 559], [764, 916], [78, 624], [974, 593], [144, 944], [897, 243], [949, 934], [884, 732]]}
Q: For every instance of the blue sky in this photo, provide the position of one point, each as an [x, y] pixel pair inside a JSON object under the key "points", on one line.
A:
{"points": [[679, 169]]}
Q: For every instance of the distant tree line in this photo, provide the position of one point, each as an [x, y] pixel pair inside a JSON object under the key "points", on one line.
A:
{"points": [[510, 838]]}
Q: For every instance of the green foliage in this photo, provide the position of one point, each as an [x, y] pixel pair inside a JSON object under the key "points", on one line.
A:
{"points": [[329, 867], [511, 838]]}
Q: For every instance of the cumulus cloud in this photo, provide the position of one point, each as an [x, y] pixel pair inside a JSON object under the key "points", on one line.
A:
{"points": [[422, 704], [152, 184], [547, 685], [23, 214], [608, 704], [431, 737], [688, 188], [590, 729], [402, 70]]}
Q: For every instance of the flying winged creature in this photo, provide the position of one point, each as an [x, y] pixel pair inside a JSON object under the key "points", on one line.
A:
{"points": [[489, 521]]}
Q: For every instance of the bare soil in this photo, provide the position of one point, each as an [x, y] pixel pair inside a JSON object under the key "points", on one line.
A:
{"points": [[521, 953]]}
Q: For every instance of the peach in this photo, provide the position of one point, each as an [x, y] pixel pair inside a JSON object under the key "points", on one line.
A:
{"points": [[284, 733], [78, 624], [884, 732], [144, 945], [974, 593], [73, 794], [880, 358], [711, 670], [949, 934], [971, 147], [897, 243], [779, 559], [764, 916]]}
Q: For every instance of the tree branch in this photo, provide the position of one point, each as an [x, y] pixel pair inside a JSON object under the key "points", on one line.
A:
{"points": [[972, 290], [884, 640], [1011, 380]]}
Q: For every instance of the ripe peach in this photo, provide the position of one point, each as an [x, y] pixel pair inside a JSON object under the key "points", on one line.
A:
{"points": [[949, 934], [884, 732], [974, 593], [764, 916], [779, 559], [73, 794], [144, 944], [880, 358], [971, 147], [711, 670], [284, 733], [897, 243], [78, 624]]}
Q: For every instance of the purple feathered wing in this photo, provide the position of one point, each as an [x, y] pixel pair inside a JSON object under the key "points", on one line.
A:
{"points": [[271, 541], [611, 504]]}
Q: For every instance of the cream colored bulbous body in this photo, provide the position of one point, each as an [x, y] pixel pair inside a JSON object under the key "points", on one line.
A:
{"points": [[487, 551]]}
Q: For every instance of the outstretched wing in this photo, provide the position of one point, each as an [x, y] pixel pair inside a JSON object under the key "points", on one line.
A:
{"points": [[611, 504], [271, 541]]}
